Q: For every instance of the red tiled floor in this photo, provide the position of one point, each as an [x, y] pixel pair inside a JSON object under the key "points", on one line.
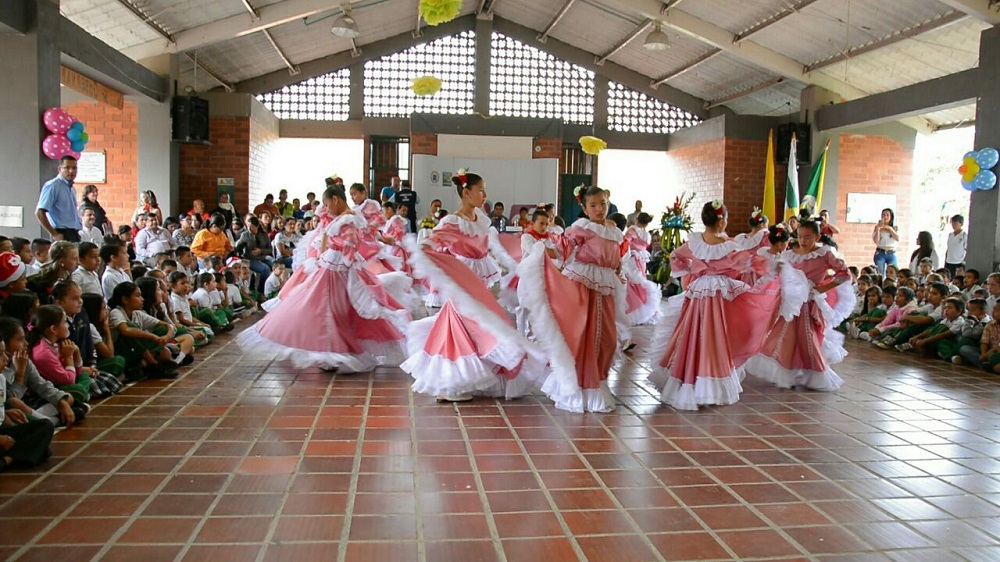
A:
{"points": [[264, 460]]}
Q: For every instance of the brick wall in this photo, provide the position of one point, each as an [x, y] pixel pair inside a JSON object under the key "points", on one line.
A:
{"points": [[550, 148], [873, 164], [262, 138], [116, 133], [700, 169], [423, 143], [227, 157]]}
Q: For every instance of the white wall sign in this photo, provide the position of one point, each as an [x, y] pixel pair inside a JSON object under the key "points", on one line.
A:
{"points": [[92, 168], [12, 216], [866, 208]]}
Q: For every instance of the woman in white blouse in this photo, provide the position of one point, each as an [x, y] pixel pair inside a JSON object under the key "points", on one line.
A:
{"points": [[886, 238]]}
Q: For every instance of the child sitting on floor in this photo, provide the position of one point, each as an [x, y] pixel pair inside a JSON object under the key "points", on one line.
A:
{"points": [[102, 337], [204, 306], [55, 356], [65, 259], [134, 336], [180, 289], [872, 312], [920, 319], [232, 292], [115, 257], [272, 286], [976, 320], [68, 296], [221, 298], [27, 391], [904, 303], [935, 340], [24, 441], [86, 274], [985, 355]]}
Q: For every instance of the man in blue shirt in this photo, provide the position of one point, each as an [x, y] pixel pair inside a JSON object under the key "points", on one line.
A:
{"points": [[389, 192], [56, 209]]}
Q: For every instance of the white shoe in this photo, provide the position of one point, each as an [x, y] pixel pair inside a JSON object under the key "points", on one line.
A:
{"points": [[454, 398], [853, 331], [865, 336]]}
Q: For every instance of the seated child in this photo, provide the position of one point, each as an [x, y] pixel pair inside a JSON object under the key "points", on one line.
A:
{"points": [[155, 303], [115, 258], [941, 338], [976, 320], [232, 292], [904, 304], [68, 296], [986, 355], [13, 275], [186, 262], [55, 356], [972, 281], [221, 297], [916, 321], [24, 441], [87, 274], [168, 267], [204, 306], [65, 259], [180, 290], [102, 337], [40, 248], [872, 312], [272, 286], [27, 391], [134, 336]]}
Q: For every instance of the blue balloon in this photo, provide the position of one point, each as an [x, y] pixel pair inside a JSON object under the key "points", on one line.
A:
{"points": [[969, 185], [78, 145], [78, 125], [74, 134], [985, 180], [987, 158]]}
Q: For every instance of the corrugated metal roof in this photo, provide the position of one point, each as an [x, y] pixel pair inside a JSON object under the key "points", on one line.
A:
{"points": [[954, 116], [109, 21], [734, 16]]}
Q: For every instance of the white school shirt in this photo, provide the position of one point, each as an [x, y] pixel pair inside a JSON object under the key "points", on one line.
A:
{"points": [[112, 278], [216, 297], [954, 326], [273, 283], [182, 308], [957, 244], [202, 298], [92, 235], [234, 294], [142, 320], [95, 336], [89, 281]]}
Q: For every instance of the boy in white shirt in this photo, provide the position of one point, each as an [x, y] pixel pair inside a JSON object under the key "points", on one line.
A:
{"points": [[274, 281], [958, 241], [115, 257], [40, 250], [186, 262], [180, 288], [86, 273], [233, 293], [206, 306], [942, 338], [972, 281], [993, 287]]}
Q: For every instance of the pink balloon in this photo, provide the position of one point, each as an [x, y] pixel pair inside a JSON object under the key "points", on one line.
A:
{"points": [[57, 120], [56, 146]]}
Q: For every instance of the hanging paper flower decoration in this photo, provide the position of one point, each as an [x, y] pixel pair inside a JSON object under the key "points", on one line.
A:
{"points": [[425, 85], [592, 145], [975, 169], [436, 12]]}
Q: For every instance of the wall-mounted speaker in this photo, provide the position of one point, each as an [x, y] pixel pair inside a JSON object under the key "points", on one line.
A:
{"points": [[783, 140], [190, 118]]}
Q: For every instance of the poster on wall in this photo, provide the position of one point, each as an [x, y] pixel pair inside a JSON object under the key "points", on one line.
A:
{"points": [[866, 208], [12, 216], [92, 168]]}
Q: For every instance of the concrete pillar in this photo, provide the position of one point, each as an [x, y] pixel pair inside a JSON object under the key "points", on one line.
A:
{"points": [[810, 100], [484, 40], [30, 67], [984, 228], [356, 94], [600, 103], [159, 158]]}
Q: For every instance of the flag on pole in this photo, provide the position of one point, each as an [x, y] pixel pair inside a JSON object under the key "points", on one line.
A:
{"points": [[792, 184], [814, 193], [768, 206]]}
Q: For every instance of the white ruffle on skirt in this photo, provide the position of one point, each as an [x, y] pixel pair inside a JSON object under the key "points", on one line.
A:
{"points": [[768, 369], [375, 354], [705, 390]]}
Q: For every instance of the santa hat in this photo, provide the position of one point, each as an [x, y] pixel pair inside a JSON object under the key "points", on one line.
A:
{"points": [[11, 268], [233, 262]]}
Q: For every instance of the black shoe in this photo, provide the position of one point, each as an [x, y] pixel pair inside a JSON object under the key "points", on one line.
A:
{"points": [[227, 328], [188, 359], [80, 413], [161, 372]]}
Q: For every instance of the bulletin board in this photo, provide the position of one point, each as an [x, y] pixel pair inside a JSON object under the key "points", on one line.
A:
{"points": [[866, 208]]}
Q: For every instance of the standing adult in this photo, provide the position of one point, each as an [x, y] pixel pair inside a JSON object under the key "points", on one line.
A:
{"points": [[266, 207], [612, 208], [886, 238], [147, 206], [56, 209], [406, 197], [630, 219], [389, 192], [89, 201], [226, 209]]}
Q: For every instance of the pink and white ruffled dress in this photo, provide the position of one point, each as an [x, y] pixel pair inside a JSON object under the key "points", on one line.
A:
{"points": [[642, 296], [508, 284], [801, 344], [572, 314], [339, 317], [700, 344], [471, 346], [303, 258]]}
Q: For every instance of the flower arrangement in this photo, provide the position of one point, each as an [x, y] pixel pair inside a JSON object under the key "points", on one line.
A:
{"points": [[436, 12], [578, 192], [592, 145], [676, 219], [426, 85]]}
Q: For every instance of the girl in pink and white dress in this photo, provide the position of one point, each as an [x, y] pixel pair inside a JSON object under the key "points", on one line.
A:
{"points": [[303, 257], [642, 296], [339, 317], [572, 313], [372, 246], [470, 346], [699, 342], [800, 344], [393, 233], [536, 234]]}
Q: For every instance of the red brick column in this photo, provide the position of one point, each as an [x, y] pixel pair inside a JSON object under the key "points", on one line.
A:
{"points": [[423, 143], [227, 157]]}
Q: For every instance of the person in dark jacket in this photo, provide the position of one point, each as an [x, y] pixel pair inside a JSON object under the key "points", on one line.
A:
{"points": [[101, 220], [255, 247]]}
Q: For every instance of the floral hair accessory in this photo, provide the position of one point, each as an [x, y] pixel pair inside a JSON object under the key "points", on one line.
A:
{"points": [[578, 192], [757, 214], [720, 209], [463, 177], [779, 226], [30, 326]]}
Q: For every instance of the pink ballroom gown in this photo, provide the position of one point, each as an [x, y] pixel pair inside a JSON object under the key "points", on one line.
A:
{"points": [[303, 258], [642, 296], [471, 345], [801, 344], [700, 342], [572, 314], [339, 316]]}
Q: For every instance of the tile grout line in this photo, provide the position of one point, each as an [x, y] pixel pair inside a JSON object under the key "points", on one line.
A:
{"points": [[414, 454], [352, 491], [480, 488]]}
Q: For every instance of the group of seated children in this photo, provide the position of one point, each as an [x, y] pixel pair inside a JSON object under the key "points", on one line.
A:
{"points": [[930, 313]]}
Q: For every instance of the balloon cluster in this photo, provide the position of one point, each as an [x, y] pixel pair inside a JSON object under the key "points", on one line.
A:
{"points": [[975, 169], [68, 135]]}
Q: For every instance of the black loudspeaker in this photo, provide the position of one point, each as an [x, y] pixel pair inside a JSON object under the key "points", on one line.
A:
{"points": [[190, 116], [783, 140]]}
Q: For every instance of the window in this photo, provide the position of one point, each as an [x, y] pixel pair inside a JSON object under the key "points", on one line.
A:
{"points": [[323, 98], [527, 82], [634, 112], [452, 59]]}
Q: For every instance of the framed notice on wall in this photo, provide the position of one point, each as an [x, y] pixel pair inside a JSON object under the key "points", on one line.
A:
{"points": [[866, 208], [92, 168]]}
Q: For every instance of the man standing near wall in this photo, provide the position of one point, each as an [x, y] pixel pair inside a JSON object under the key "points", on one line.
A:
{"points": [[389, 192], [406, 197], [630, 219], [56, 209]]}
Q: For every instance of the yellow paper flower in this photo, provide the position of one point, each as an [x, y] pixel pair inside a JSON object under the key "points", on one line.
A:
{"points": [[592, 145], [426, 85], [436, 12]]}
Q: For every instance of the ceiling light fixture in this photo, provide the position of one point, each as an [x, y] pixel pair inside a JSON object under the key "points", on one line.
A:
{"points": [[657, 40], [345, 26]]}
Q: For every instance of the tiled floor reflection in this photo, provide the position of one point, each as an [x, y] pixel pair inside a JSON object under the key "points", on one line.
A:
{"points": [[246, 460]]}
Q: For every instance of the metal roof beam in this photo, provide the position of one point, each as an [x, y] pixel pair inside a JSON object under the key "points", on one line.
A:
{"points": [[773, 20], [624, 42], [137, 12], [610, 70], [930, 25], [14, 16], [292, 69], [744, 93], [354, 55], [543, 36], [986, 10], [950, 91], [254, 15], [225, 85], [667, 77], [233, 26]]}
